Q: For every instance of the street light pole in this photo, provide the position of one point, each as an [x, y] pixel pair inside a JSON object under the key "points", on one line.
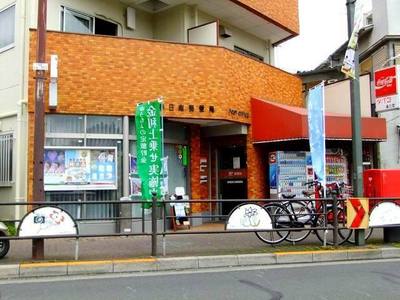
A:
{"points": [[356, 122], [38, 146]]}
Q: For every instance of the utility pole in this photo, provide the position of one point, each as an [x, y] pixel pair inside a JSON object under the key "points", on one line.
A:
{"points": [[356, 122], [38, 146]]}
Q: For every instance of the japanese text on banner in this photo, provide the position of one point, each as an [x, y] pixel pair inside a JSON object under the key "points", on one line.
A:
{"points": [[149, 148]]}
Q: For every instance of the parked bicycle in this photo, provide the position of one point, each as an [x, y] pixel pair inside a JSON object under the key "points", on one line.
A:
{"points": [[303, 216], [342, 192], [4, 244]]}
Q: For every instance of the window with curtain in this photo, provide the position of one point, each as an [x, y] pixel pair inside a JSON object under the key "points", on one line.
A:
{"points": [[7, 27]]}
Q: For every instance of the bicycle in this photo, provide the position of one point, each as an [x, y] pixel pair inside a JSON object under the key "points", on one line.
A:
{"points": [[280, 219], [304, 216], [289, 214], [327, 219], [339, 188]]}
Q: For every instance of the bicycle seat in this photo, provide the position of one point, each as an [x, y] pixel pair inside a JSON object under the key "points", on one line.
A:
{"points": [[288, 196], [308, 193]]}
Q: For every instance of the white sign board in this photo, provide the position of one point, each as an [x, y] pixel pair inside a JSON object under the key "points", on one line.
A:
{"points": [[387, 103], [385, 213], [47, 221], [249, 217]]}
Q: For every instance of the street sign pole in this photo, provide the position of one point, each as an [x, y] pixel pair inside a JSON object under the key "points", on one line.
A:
{"points": [[356, 122], [38, 145]]}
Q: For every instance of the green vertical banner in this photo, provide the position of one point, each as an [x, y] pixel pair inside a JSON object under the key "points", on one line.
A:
{"points": [[149, 148]]}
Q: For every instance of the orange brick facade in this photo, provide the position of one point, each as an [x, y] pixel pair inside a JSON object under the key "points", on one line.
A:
{"points": [[109, 76], [284, 13]]}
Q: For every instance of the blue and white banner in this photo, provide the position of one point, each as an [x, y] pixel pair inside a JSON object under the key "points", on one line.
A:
{"points": [[316, 130]]}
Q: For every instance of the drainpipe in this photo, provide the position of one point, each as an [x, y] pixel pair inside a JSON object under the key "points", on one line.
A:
{"points": [[21, 161], [38, 150]]}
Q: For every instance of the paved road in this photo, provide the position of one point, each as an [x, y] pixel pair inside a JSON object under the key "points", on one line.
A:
{"points": [[354, 280]]}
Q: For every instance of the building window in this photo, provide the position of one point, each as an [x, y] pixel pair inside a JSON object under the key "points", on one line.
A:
{"points": [[248, 53], [77, 22], [90, 131], [6, 158], [73, 21], [7, 28]]}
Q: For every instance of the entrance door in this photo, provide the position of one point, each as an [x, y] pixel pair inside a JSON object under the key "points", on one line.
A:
{"points": [[232, 189]]}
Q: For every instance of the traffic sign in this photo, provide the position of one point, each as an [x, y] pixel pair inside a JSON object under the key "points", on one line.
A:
{"points": [[357, 213]]}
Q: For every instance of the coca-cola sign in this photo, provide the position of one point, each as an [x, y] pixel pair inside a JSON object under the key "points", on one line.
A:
{"points": [[386, 94], [386, 82]]}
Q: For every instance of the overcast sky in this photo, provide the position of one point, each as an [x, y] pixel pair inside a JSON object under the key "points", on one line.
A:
{"points": [[323, 29]]}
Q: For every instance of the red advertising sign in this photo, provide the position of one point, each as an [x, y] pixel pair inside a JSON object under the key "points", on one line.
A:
{"points": [[385, 82]]}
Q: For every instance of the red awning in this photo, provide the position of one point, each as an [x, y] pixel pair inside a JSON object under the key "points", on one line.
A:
{"points": [[273, 122]]}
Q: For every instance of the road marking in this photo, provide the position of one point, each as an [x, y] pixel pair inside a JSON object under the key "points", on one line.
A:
{"points": [[135, 260], [322, 251], [87, 262], [42, 265]]}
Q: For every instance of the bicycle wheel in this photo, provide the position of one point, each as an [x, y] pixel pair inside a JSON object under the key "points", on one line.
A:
{"points": [[301, 218], [368, 233], [280, 218], [327, 221], [4, 247]]}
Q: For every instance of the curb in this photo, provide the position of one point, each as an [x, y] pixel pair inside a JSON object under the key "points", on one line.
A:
{"points": [[151, 264]]}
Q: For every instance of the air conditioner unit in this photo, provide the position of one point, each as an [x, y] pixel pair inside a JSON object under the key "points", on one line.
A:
{"points": [[224, 32], [130, 18], [368, 19]]}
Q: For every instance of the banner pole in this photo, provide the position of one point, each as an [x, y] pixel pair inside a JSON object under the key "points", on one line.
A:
{"points": [[324, 137], [161, 100]]}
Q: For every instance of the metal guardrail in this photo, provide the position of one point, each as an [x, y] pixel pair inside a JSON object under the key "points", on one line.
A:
{"points": [[328, 209]]}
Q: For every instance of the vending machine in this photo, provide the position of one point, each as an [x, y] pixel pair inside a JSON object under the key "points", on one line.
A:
{"points": [[290, 170], [288, 173], [336, 168]]}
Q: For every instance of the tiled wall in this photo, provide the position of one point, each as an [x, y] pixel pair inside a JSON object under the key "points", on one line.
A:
{"points": [[109, 76]]}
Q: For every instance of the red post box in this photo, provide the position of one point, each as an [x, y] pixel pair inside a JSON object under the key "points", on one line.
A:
{"points": [[382, 183]]}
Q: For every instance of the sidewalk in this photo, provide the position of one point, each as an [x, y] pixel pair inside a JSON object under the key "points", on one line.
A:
{"points": [[132, 254]]}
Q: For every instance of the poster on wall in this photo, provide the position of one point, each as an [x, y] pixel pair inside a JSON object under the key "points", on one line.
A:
{"points": [[135, 184], [102, 165], [83, 168], [77, 167]]}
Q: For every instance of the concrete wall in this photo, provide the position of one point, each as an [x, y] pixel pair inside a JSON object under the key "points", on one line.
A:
{"points": [[240, 38], [393, 9], [13, 94], [10, 85], [337, 97], [113, 11], [385, 19], [380, 21], [389, 150], [169, 25]]}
